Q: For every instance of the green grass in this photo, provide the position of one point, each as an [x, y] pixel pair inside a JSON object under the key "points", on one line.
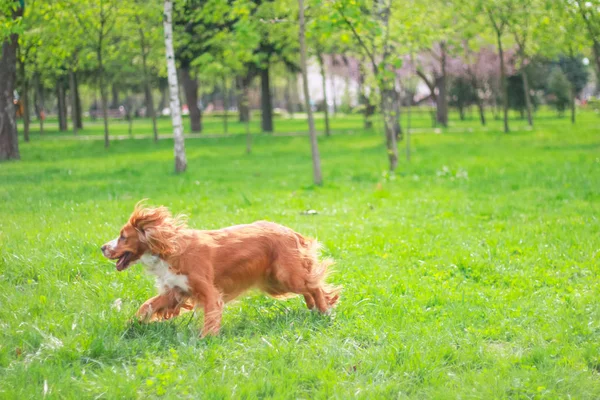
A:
{"points": [[471, 273], [421, 120]]}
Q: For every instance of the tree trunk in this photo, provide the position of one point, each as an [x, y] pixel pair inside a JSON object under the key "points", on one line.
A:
{"points": [[288, 95], [62, 105], [597, 58], [325, 102], [73, 93], [104, 101], [573, 97], [243, 89], [150, 111], [25, 102], [527, 98], [387, 109], [225, 105], [481, 111], [103, 94], [78, 110], [334, 98], [9, 142], [442, 84], [130, 123], [115, 96], [397, 126], [266, 103], [190, 87], [461, 112], [163, 98], [316, 159], [441, 115], [39, 102], [150, 108], [369, 109], [179, 144], [408, 130], [503, 85], [243, 84]]}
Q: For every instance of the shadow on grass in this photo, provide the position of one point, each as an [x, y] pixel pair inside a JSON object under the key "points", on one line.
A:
{"points": [[251, 322]]}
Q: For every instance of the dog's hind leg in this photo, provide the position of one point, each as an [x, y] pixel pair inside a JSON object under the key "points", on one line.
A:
{"points": [[213, 311]]}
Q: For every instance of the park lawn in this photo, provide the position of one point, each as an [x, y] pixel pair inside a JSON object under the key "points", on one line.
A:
{"points": [[471, 273], [420, 121]]}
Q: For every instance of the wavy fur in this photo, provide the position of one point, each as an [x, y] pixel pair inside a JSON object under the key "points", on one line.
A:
{"points": [[211, 267]]}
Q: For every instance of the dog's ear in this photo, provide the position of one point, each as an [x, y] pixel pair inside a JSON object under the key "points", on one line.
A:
{"points": [[157, 229]]}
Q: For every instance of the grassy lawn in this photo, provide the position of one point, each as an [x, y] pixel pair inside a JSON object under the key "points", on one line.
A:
{"points": [[420, 120], [471, 273]]}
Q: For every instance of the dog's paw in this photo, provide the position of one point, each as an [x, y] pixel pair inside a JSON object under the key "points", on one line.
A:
{"points": [[145, 313]]}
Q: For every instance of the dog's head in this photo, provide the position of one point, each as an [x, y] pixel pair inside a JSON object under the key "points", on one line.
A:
{"points": [[149, 230]]}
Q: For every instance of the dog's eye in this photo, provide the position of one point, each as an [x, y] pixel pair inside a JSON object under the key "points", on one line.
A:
{"points": [[122, 237]]}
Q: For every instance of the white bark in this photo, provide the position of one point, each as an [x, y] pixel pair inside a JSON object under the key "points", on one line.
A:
{"points": [[180, 161], [311, 122]]}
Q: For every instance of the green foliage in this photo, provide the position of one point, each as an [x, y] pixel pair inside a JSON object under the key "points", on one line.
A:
{"points": [[462, 93], [10, 18], [559, 89], [471, 274], [516, 95], [575, 71]]}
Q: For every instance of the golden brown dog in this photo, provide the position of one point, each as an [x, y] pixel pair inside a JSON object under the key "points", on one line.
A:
{"points": [[210, 268]]}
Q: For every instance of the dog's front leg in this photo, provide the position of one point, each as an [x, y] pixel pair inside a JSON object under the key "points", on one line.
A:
{"points": [[152, 307], [209, 296]]}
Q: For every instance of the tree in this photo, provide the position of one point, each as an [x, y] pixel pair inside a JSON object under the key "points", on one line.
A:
{"points": [[316, 159], [97, 20], [179, 145], [324, 79], [147, 12], [462, 94], [58, 59], [438, 50], [480, 71], [380, 28], [559, 89], [321, 40], [589, 10], [10, 14], [523, 24], [566, 38], [29, 41], [499, 12], [576, 72]]}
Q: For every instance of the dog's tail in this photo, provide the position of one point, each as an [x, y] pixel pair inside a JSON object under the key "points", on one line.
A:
{"points": [[320, 269]]}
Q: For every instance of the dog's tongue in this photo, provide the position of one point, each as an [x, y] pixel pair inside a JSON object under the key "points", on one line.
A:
{"points": [[122, 262]]}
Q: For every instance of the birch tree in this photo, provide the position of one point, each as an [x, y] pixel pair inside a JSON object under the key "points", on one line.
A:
{"points": [[180, 161]]}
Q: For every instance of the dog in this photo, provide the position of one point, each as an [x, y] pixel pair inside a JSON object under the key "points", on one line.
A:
{"points": [[208, 268]]}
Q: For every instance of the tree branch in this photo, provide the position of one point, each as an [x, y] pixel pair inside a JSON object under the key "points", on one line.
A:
{"points": [[358, 38], [429, 84]]}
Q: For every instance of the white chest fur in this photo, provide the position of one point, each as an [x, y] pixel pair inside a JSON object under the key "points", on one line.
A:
{"points": [[165, 278]]}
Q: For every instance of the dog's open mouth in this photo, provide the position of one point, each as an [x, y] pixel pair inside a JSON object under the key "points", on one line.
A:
{"points": [[124, 261]]}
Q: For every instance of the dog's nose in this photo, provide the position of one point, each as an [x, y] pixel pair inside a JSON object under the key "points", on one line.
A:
{"points": [[103, 248]]}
